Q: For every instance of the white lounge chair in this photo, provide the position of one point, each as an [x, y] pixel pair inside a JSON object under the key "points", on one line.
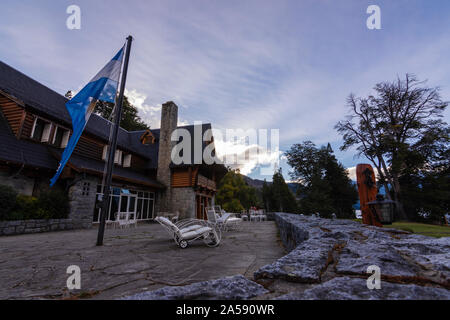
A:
{"points": [[186, 231]]}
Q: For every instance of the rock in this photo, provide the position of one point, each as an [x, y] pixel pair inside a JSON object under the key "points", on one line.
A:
{"points": [[346, 288], [230, 288], [356, 257], [303, 264], [344, 247]]}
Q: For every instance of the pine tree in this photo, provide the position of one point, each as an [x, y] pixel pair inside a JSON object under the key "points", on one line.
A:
{"points": [[281, 197], [325, 185]]}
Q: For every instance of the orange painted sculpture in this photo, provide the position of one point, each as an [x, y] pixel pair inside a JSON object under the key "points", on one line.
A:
{"points": [[367, 190]]}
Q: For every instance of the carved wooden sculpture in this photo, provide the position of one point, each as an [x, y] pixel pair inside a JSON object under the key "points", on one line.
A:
{"points": [[367, 189]]}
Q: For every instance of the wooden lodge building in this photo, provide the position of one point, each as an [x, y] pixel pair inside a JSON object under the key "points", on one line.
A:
{"points": [[35, 128]]}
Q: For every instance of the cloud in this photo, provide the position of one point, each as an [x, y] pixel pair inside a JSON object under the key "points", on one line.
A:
{"points": [[150, 114], [352, 173], [247, 157], [285, 65]]}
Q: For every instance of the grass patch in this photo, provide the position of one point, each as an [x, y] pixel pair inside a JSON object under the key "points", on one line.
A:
{"points": [[422, 228], [430, 230]]}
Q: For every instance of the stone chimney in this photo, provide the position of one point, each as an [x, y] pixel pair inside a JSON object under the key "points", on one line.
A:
{"points": [[169, 120]]}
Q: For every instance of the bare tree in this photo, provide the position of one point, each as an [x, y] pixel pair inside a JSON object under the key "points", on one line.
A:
{"points": [[386, 126]]}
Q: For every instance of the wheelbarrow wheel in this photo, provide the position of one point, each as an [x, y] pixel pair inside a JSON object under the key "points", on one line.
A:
{"points": [[183, 244]]}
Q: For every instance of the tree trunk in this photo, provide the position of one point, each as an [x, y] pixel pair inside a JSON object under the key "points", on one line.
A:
{"points": [[398, 201]]}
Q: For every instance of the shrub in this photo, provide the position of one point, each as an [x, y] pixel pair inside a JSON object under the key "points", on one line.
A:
{"points": [[53, 204], [233, 206], [50, 205], [26, 207], [7, 201]]}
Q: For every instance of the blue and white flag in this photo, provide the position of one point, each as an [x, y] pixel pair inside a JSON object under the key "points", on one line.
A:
{"points": [[102, 87]]}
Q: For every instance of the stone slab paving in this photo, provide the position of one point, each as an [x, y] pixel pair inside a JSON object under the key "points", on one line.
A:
{"points": [[131, 261], [328, 260], [229, 288]]}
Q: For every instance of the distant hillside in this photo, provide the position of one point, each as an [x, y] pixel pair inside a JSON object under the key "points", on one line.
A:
{"points": [[256, 183], [293, 186]]}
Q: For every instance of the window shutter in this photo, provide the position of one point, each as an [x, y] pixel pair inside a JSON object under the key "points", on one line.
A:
{"points": [[105, 153], [65, 139], [46, 132], [127, 161], [118, 157]]}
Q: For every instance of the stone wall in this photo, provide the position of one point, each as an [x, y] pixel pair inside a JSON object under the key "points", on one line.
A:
{"points": [[291, 234], [82, 201], [334, 255], [34, 226], [183, 201]]}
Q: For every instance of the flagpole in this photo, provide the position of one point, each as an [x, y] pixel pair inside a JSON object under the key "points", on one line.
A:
{"points": [[112, 149]]}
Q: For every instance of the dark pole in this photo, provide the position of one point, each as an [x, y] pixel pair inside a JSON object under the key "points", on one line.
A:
{"points": [[112, 149]]}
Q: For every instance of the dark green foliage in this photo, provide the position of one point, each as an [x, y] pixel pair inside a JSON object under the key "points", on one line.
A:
{"points": [[234, 195], [7, 201], [426, 187], [325, 186], [277, 197], [55, 203], [130, 120], [401, 131], [50, 205], [26, 208]]}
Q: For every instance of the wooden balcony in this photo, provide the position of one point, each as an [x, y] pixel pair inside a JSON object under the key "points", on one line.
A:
{"points": [[206, 183]]}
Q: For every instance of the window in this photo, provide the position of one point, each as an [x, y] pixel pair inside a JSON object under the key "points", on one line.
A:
{"points": [[127, 160], [126, 200], [117, 156], [41, 130], [86, 187], [147, 138], [61, 137]]}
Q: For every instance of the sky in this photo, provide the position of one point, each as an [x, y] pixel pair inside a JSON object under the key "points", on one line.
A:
{"points": [[286, 65]]}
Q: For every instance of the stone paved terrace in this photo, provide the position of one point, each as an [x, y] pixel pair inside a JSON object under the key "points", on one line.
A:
{"points": [[131, 261], [328, 259]]}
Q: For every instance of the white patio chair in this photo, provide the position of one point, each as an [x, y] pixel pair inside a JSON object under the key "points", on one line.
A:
{"points": [[213, 218], [262, 215], [226, 221], [191, 230], [122, 220], [133, 221], [253, 215]]}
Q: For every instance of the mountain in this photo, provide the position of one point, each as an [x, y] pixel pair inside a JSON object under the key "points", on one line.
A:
{"points": [[255, 183], [258, 184]]}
